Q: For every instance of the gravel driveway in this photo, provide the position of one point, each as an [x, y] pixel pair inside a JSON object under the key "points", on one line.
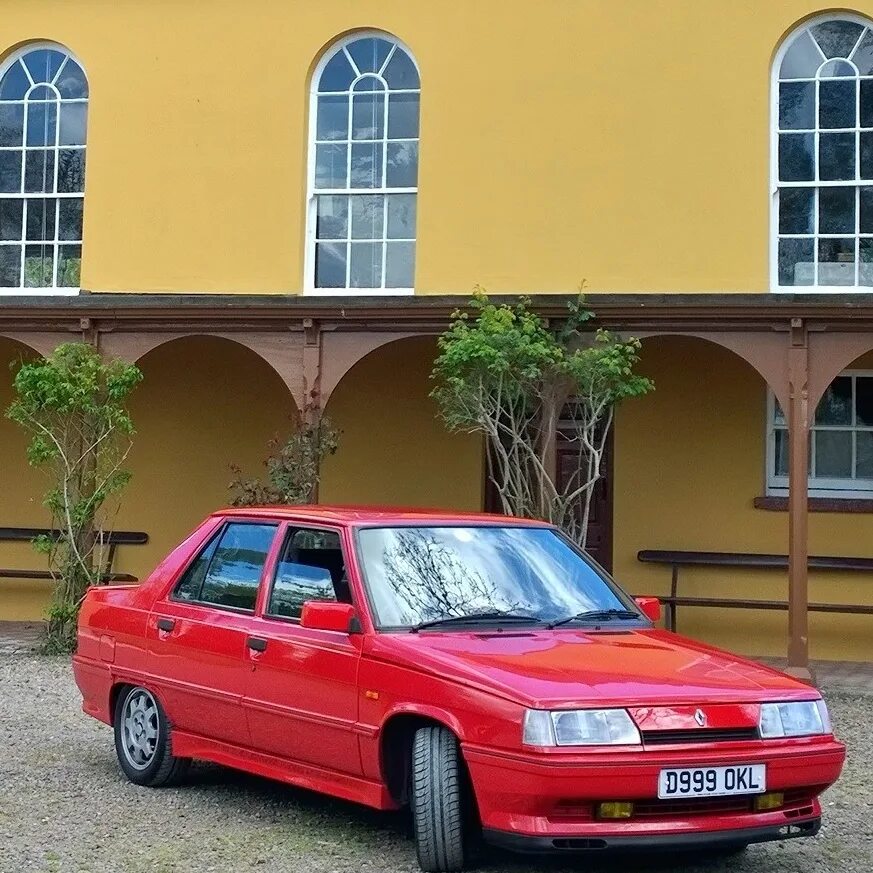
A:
{"points": [[64, 806]]}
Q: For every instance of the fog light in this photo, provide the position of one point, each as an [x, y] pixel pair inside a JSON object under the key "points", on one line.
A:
{"points": [[772, 800], [615, 809]]}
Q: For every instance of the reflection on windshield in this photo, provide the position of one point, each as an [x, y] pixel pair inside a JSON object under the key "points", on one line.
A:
{"points": [[418, 574]]}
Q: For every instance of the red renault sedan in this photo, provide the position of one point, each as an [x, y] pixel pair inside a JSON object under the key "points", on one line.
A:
{"points": [[479, 668]]}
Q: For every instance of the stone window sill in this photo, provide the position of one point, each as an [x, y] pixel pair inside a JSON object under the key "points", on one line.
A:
{"points": [[818, 504]]}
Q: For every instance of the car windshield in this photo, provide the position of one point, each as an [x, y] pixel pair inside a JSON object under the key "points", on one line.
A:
{"points": [[424, 575]]}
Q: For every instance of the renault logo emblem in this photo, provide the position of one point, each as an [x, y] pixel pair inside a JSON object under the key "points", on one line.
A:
{"points": [[700, 717]]}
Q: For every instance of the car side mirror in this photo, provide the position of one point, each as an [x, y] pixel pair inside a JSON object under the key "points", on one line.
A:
{"points": [[650, 606], [330, 616]]}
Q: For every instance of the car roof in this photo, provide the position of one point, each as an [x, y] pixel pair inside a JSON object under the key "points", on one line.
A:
{"points": [[360, 516]]}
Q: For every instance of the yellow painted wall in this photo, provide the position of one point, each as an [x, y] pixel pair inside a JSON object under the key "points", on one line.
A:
{"points": [[689, 462], [624, 143], [393, 449]]}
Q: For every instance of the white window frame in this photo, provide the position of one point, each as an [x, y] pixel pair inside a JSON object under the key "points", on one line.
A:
{"points": [[777, 486], [53, 290], [309, 287], [774, 164]]}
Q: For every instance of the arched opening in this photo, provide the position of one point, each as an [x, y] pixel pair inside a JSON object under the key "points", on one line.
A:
{"points": [[21, 493], [204, 404], [394, 449]]}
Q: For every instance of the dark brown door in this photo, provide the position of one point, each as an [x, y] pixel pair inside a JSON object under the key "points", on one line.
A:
{"points": [[599, 541]]}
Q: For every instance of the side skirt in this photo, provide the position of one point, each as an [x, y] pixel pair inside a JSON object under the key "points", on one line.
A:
{"points": [[353, 788]]}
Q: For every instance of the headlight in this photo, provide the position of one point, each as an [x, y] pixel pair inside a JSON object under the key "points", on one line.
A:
{"points": [[579, 727], [802, 719]]}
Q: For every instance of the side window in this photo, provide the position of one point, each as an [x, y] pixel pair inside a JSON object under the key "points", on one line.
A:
{"points": [[311, 567], [228, 571]]}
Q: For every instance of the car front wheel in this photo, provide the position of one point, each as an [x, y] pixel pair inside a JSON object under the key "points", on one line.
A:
{"points": [[438, 801], [142, 740]]}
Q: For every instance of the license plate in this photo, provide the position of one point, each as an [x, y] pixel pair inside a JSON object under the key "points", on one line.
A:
{"points": [[712, 781]]}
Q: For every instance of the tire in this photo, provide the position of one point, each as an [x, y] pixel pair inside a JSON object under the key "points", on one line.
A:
{"points": [[142, 740], [438, 800]]}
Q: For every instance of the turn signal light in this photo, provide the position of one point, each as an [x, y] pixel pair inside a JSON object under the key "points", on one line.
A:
{"points": [[615, 809], [771, 800]]}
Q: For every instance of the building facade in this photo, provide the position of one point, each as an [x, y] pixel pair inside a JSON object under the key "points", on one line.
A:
{"points": [[271, 240]]}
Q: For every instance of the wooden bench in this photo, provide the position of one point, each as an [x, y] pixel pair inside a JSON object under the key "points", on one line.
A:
{"points": [[113, 539], [747, 561]]}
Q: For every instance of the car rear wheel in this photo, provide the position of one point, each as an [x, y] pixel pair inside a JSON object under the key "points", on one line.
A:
{"points": [[438, 799], [142, 740]]}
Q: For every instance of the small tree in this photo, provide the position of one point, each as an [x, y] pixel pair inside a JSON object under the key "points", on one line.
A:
{"points": [[74, 405], [293, 468], [505, 372]]}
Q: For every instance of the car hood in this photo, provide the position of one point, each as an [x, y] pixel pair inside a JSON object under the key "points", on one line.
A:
{"points": [[571, 667]]}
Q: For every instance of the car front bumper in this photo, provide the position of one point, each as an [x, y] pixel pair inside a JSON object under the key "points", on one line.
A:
{"points": [[547, 801]]}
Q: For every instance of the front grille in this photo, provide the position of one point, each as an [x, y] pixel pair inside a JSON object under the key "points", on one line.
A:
{"points": [[703, 735]]}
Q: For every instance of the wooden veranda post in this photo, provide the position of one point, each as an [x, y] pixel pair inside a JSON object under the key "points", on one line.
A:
{"points": [[798, 488]]}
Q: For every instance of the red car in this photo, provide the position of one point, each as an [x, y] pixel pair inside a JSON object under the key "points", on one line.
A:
{"points": [[479, 668]]}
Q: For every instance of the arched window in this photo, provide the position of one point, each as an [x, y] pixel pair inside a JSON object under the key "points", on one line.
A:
{"points": [[43, 120], [363, 168], [823, 155]]}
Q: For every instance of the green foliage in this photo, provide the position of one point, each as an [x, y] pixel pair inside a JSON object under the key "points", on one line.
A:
{"points": [[74, 406], [293, 468], [506, 372]]}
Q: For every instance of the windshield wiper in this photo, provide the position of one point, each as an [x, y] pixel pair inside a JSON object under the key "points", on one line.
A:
{"points": [[595, 615], [494, 616]]}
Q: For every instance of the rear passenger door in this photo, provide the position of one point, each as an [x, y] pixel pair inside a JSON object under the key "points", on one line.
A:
{"points": [[199, 632], [302, 696]]}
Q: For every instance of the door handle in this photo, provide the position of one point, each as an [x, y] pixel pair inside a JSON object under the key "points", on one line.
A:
{"points": [[166, 624], [256, 644]]}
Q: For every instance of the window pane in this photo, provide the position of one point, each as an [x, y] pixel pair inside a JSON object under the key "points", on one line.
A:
{"points": [[801, 60], [10, 171], [74, 118], [370, 53], [15, 83], [836, 156], [866, 155], [796, 157], [780, 465], [11, 124], [337, 74], [837, 38], [311, 568], [235, 571], [368, 116], [778, 414], [402, 165], [39, 171], [836, 405], [796, 265], [833, 454], [331, 166], [42, 92], [366, 266], [863, 56], [836, 106], [836, 70], [368, 221], [866, 203], [368, 83], [865, 265], [41, 219], [188, 587], [400, 74], [836, 262], [72, 84], [864, 449], [70, 213], [836, 210], [10, 266], [333, 118], [332, 219], [39, 266], [796, 210], [867, 103], [403, 116], [367, 165], [69, 266], [42, 119], [400, 265], [11, 212], [71, 171], [401, 216], [43, 64], [864, 401], [330, 265]]}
